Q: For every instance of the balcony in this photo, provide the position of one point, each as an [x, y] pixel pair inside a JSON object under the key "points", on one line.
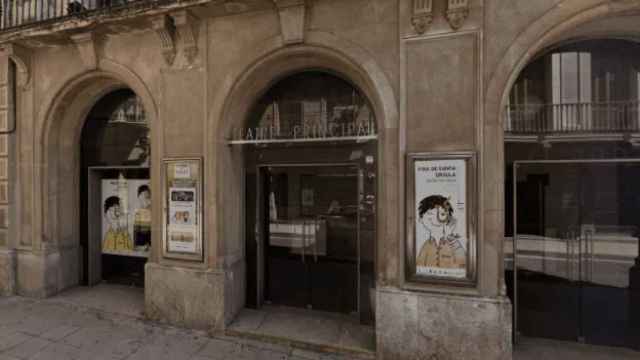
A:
{"points": [[575, 120], [38, 22], [19, 14]]}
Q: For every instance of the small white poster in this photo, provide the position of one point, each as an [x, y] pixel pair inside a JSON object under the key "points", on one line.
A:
{"points": [[182, 229], [441, 238]]}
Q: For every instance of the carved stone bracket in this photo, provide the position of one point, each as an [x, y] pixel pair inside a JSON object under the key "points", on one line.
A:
{"points": [[187, 26], [457, 12], [292, 19], [164, 27], [86, 45], [422, 15], [21, 56]]}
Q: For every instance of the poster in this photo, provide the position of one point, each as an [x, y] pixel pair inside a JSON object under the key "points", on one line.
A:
{"points": [[116, 238], [441, 241], [126, 216], [140, 215], [183, 214]]}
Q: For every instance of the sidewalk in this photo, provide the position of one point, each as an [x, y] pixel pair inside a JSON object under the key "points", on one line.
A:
{"points": [[53, 329]]}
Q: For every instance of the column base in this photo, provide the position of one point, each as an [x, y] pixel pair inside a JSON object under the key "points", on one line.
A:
{"points": [[7, 272], [192, 298], [416, 325]]}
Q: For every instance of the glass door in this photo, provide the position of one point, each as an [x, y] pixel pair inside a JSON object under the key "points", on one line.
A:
{"points": [[576, 250], [312, 236]]}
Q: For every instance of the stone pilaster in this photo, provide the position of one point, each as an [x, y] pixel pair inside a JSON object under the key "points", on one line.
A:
{"points": [[7, 127]]}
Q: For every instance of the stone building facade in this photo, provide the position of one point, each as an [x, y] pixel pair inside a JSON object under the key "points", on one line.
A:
{"points": [[436, 73]]}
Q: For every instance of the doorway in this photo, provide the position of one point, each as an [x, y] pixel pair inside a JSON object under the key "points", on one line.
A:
{"points": [[311, 236], [115, 191], [576, 263]]}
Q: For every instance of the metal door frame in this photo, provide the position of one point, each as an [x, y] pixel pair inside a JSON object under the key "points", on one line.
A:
{"points": [[516, 164], [259, 235]]}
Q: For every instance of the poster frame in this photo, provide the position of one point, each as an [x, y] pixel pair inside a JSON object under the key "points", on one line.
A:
{"points": [[411, 275], [198, 255]]}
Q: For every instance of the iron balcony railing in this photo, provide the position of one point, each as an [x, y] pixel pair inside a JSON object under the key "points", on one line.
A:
{"points": [[585, 117], [24, 13]]}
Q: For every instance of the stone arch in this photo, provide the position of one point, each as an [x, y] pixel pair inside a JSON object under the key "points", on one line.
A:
{"points": [[56, 181], [241, 89], [560, 24]]}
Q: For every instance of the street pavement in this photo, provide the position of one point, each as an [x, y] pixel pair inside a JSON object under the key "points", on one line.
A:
{"points": [[51, 329]]}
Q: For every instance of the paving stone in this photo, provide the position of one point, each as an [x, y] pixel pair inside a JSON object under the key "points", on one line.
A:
{"points": [[59, 332], [216, 349], [13, 339], [55, 351], [28, 348]]}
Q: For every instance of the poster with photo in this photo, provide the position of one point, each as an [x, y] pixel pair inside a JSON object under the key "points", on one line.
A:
{"points": [[116, 237], [182, 219], [183, 214], [441, 241], [140, 214]]}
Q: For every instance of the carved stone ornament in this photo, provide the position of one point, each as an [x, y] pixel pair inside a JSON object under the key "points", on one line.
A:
{"points": [[187, 27], [457, 13], [422, 15], [292, 19], [164, 27], [21, 56], [86, 45]]}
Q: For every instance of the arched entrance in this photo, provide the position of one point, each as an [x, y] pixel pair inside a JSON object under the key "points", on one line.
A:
{"points": [[572, 168], [309, 149], [58, 193], [115, 190]]}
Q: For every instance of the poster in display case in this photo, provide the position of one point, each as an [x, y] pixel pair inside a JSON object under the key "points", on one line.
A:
{"points": [[441, 238], [118, 215], [182, 209], [126, 219]]}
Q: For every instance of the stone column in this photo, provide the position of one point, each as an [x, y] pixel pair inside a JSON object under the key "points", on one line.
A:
{"points": [[7, 127]]}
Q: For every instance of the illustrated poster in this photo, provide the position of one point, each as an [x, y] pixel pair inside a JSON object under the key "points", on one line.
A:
{"points": [[126, 217], [116, 238], [441, 238]]}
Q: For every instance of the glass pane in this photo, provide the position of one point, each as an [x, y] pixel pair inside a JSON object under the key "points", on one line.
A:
{"points": [[313, 237], [576, 250]]}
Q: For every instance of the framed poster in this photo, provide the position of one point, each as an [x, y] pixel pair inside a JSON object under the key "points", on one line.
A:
{"points": [[182, 237], [441, 238], [126, 220]]}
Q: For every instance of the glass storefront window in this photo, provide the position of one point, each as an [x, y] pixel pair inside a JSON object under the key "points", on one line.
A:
{"points": [[572, 234]]}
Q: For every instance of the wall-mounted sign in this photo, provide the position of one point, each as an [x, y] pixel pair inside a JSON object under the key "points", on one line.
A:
{"points": [[441, 237], [328, 131], [182, 209]]}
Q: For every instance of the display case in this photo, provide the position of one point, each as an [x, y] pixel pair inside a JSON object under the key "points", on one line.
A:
{"points": [[118, 215]]}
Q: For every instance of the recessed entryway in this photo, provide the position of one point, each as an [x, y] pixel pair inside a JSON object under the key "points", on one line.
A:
{"points": [[314, 329]]}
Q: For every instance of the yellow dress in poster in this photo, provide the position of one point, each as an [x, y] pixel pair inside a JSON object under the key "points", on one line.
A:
{"points": [[117, 240], [117, 237]]}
